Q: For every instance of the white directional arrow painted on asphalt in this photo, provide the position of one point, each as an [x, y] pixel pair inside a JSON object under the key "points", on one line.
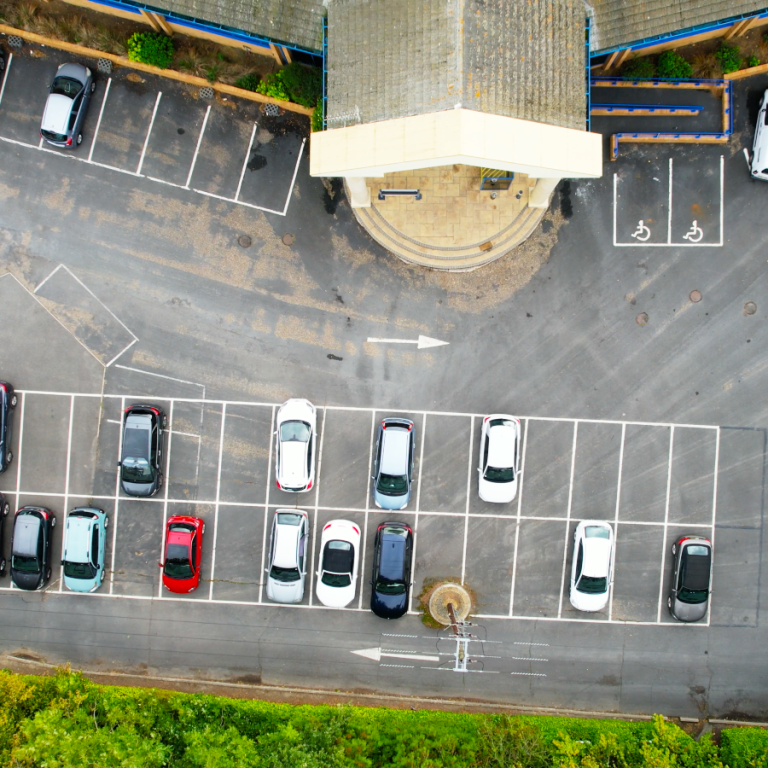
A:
{"points": [[377, 653], [423, 342]]}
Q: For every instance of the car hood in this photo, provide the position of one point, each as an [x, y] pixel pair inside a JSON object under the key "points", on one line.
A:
{"points": [[80, 585], [138, 489], [285, 591], [25, 580], [498, 493], [389, 606], [56, 115], [181, 586], [335, 597], [584, 602], [293, 473], [390, 502], [690, 611]]}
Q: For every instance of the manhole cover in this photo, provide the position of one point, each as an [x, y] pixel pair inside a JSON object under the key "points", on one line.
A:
{"points": [[104, 66], [750, 308], [288, 239], [14, 41], [695, 296], [244, 241], [206, 92], [642, 319], [272, 110]]}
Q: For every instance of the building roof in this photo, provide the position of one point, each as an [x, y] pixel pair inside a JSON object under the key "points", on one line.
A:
{"points": [[409, 57], [295, 22], [617, 23]]}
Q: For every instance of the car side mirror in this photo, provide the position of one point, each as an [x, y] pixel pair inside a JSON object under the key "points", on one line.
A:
{"points": [[119, 463], [160, 565], [62, 562]]}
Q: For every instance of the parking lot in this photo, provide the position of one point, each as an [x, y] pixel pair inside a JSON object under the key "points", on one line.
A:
{"points": [[163, 131], [654, 482]]}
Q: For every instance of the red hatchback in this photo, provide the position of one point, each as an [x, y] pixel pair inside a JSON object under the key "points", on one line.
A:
{"points": [[183, 552]]}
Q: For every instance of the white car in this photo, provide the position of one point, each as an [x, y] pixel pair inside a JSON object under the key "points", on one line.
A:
{"points": [[759, 162], [499, 458], [286, 568], [337, 570], [295, 446], [592, 571]]}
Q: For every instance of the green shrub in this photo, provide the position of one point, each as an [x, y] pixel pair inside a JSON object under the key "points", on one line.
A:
{"points": [[248, 82], [753, 61], [151, 48], [744, 747], [272, 86], [639, 69], [673, 66], [728, 57], [317, 115], [296, 83]]}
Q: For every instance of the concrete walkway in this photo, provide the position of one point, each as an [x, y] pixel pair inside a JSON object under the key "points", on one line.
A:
{"points": [[455, 225]]}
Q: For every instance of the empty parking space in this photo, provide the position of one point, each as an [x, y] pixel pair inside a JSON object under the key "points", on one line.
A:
{"points": [[44, 463], [439, 550], [490, 561], [736, 573], [595, 474], [107, 447], [86, 416], [645, 472], [637, 572], [692, 483], [26, 88], [446, 469], [137, 531]]}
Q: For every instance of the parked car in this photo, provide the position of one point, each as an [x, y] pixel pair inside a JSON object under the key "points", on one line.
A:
{"points": [[8, 402], [337, 570], [499, 458], [84, 549], [759, 161], [286, 569], [592, 570], [141, 462], [5, 508], [691, 572], [67, 105], [391, 578], [2, 60], [295, 446], [393, 463], [183, 553], [31, 547]]}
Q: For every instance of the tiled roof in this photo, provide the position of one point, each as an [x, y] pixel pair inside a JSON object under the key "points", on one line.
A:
{"points": [[395, 58], [620, 22], [296, 22]]}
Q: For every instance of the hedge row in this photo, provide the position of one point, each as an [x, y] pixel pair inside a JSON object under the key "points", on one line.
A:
{"points": [[65, 720]]}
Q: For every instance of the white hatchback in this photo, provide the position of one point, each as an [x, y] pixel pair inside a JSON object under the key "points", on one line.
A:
{"points": [[295, 446], [759, 163], [286, 568], [337, 570], [592, 570], [499, 458]]}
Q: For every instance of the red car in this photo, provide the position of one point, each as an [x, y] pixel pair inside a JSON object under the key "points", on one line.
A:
{"points": [[183, 553]]}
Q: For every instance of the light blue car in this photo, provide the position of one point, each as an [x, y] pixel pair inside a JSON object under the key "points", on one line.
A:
{"points": [[84, 549]]}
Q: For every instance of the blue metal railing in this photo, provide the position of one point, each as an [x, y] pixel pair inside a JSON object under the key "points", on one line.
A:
{"points": [[587, 42], [325, 70]]}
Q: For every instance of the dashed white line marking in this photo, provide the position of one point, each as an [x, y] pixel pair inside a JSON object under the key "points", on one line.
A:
{"points": [[520, 642], [526, 658], [528, 674]]}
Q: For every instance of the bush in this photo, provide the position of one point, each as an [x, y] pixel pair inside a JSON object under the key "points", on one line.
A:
{"points": [[639, 69], [753, 61], [728, 57], [673, 66], [296, 83], [317, 115], [151, 48], [248, 82], [744, 747]]}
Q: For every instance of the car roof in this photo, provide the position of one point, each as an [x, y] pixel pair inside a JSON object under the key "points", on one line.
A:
{"points": [[597, 557], [501, 445], [286, 545], [56, 114], [696, 568], [392, 564], [79, 538], [26, 534], [394, 451]]}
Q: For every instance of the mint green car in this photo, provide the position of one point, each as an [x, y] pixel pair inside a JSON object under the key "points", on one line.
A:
{"points": [[84, 549]]}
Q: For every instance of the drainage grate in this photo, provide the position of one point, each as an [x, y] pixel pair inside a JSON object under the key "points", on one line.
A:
{"points": [[104, 66], [642, 319], [14, 41], [272, 110], [244, 241], [206, 92], [288, 239], [750, 308]]}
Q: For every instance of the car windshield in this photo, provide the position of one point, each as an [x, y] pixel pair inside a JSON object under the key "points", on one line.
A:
{"points": [[79, 570], [295, 431], [392, 485], [498, 475], [289, 518], [25, 564], [387, 587], [177, 565], [284, 574], [592, 585], [338, 559], [336, 579], [692, 595], [66, 86], [136, 471]]}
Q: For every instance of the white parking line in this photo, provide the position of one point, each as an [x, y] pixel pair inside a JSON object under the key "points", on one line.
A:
{"points": [[469, 488], [266, 508], [418, 503], [245, 162], [149, 133], [21, 443], [197, 147], [666, 522], [117, 502], [616, 518], [367, 507], [165, 497], [66, 489], [5, 77], [317, 502], [293, 180], [714, 516], [98, 122], [218, 498], [521, 476], [568, 518]]}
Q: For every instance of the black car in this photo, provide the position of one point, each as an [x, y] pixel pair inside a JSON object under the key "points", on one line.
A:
{"points": [[7, 404], [31, 547], [691, 572], [5, 508], [141, 457], [391, 570]]}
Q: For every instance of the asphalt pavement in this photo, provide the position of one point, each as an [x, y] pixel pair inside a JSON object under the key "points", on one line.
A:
{"points": [[151, 263]]}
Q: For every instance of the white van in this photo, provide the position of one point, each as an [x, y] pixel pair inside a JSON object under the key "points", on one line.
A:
{"points": [[759, 164]]}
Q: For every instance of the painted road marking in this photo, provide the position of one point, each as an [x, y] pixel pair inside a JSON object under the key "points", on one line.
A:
{"points": [[376, 653], [423, 342]]}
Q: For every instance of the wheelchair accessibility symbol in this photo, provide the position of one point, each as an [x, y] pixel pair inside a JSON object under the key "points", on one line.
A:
{"points": [[695, 234], [643, 233]]}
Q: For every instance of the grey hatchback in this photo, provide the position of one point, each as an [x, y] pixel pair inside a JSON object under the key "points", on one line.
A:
{"points": [[31, 547], [67, 104], [689, 594], [393, 464], [141, 458]]}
